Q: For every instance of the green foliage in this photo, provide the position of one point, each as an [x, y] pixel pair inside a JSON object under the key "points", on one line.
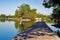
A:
{"points": [[25, 12], [16, 14], [51, 3], [16, 25], [2, 16], [40, 15], [49, 18], [32, 14], [56, 9], [23, 26]]}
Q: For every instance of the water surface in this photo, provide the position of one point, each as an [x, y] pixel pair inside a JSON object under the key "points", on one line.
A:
{"points": [[9, 29]]}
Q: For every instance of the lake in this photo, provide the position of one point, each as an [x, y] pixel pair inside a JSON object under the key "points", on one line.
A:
{"points": [[9, 29]]}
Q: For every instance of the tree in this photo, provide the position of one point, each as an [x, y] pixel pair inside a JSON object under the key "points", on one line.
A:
{"points": [[51, 3], [32, 14], [24, 10], [56, 9], [40, 15], [3, 16], [49, 19], [16, 14]]}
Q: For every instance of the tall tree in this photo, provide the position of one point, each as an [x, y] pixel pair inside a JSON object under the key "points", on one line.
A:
{"points": [[32, 14], [56, 9], [16, 14], [24, 10]]}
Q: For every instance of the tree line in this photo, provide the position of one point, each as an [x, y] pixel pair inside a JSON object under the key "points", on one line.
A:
{"points": [[25, 12]]}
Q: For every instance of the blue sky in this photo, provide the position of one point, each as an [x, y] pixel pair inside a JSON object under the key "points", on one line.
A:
{"points": [[8, 7]]}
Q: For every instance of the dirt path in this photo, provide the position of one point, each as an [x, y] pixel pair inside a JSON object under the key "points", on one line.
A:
{"points": [[38, 31]]}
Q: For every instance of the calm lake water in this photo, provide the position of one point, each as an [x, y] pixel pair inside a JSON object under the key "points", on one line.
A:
{"points": [[9, 29]]}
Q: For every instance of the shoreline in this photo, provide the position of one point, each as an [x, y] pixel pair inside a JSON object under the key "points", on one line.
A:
{"points": [[38, 31]]}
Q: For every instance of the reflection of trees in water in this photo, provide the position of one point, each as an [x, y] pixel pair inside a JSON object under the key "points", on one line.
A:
{"points": [[23, 26], [2, 20], [16, 25]]}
